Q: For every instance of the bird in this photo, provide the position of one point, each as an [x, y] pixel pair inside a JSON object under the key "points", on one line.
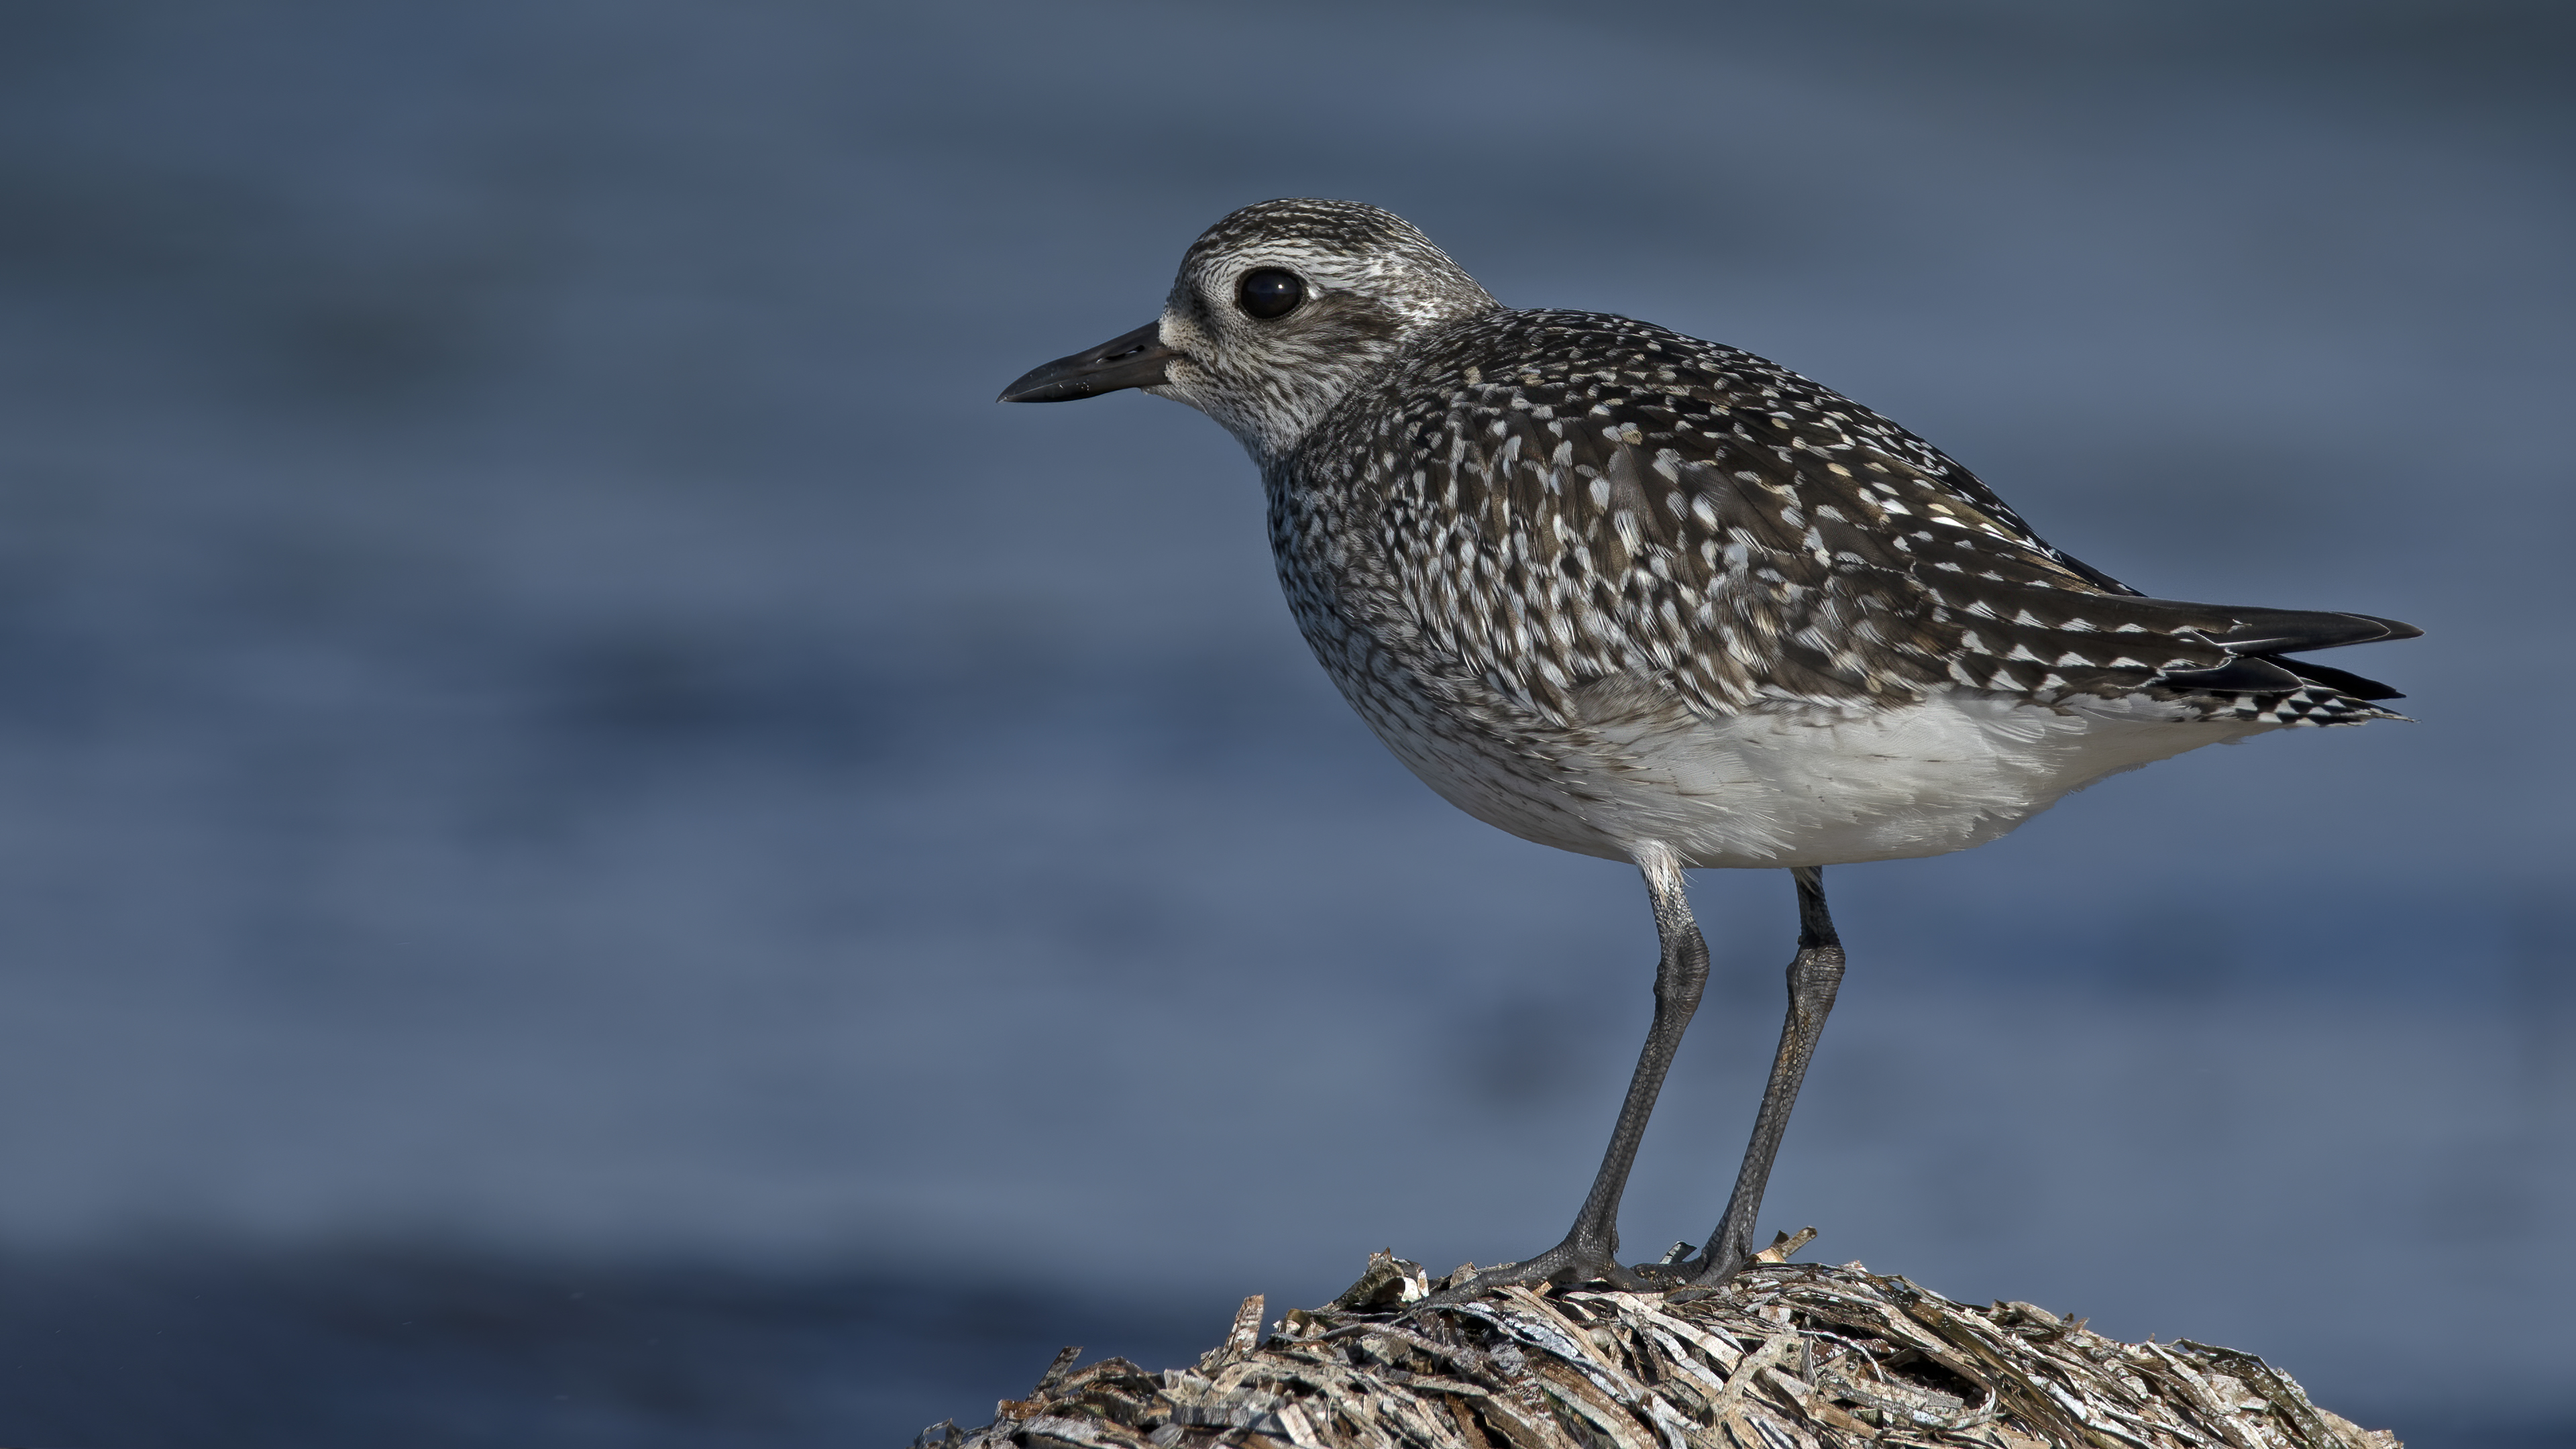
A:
{"points": [[1638, 596]]}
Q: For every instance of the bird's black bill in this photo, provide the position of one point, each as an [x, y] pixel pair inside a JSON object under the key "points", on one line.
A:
{"points": [[1134, 360]]}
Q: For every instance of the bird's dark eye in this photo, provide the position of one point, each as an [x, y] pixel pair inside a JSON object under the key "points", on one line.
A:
{"points": [[1270, 292]]}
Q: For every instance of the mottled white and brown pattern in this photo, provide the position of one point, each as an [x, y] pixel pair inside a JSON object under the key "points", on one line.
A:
{"points": [[1603, 584]]}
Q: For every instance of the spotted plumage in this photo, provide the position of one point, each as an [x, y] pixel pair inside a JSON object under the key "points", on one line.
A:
{"points": [[1540, 550], [1628, 593], [1555, 498]]}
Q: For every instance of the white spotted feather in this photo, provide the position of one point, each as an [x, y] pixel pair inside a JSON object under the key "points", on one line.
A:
{"points": [[1632, 594]]}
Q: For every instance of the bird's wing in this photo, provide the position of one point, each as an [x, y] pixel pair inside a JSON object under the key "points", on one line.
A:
{"points": [[1637, 502]]}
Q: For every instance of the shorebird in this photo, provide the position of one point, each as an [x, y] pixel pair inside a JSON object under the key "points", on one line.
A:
{"points": [[1639, 596]]}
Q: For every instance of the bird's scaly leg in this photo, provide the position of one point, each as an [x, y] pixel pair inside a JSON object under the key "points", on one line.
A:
{"points": [[1814, 976], [1589, 1252]]}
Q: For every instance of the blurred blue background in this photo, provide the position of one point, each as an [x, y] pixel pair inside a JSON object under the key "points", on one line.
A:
{"points": [[596, 848]]}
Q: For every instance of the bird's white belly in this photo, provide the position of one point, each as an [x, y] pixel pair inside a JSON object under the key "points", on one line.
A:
{"points": [[1802, 784]]}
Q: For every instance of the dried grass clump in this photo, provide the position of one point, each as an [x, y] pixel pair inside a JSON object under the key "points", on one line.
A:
{"points": [[1789, 1356]]}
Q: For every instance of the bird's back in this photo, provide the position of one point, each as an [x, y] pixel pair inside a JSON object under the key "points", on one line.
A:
{"points": [[1539, 537]]}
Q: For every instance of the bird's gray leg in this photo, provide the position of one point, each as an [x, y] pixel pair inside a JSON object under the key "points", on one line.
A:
{"points": [[1589, 1251], [1814, 976]]}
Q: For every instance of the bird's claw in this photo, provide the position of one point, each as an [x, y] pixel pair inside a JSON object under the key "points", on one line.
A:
{"points": [[1570, 1264]]}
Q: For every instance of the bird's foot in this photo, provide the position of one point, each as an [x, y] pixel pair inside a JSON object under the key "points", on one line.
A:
{"points": [[1711, 1274], [1575, 1263]]}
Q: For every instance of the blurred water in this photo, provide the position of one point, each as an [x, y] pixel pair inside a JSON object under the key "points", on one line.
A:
{"points": [[550, 732]]}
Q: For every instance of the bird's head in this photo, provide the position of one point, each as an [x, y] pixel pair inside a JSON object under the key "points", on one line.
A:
{"points": [[1279, 311]]}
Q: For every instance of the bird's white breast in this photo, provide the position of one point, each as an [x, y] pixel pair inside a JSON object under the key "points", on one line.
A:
{"points": [[1803, 784]]}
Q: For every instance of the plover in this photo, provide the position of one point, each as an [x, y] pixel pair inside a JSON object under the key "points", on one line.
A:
{"points": [[1639, 596]]}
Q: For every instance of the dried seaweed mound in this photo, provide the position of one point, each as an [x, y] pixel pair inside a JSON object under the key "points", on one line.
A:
{"points": [[1789, 1356]]}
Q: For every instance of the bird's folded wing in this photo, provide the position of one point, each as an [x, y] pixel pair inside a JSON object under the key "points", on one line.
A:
{"points": [[1746, 535]]}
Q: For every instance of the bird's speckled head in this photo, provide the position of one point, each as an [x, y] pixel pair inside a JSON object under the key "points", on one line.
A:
{"points": [[1285, 306]]}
